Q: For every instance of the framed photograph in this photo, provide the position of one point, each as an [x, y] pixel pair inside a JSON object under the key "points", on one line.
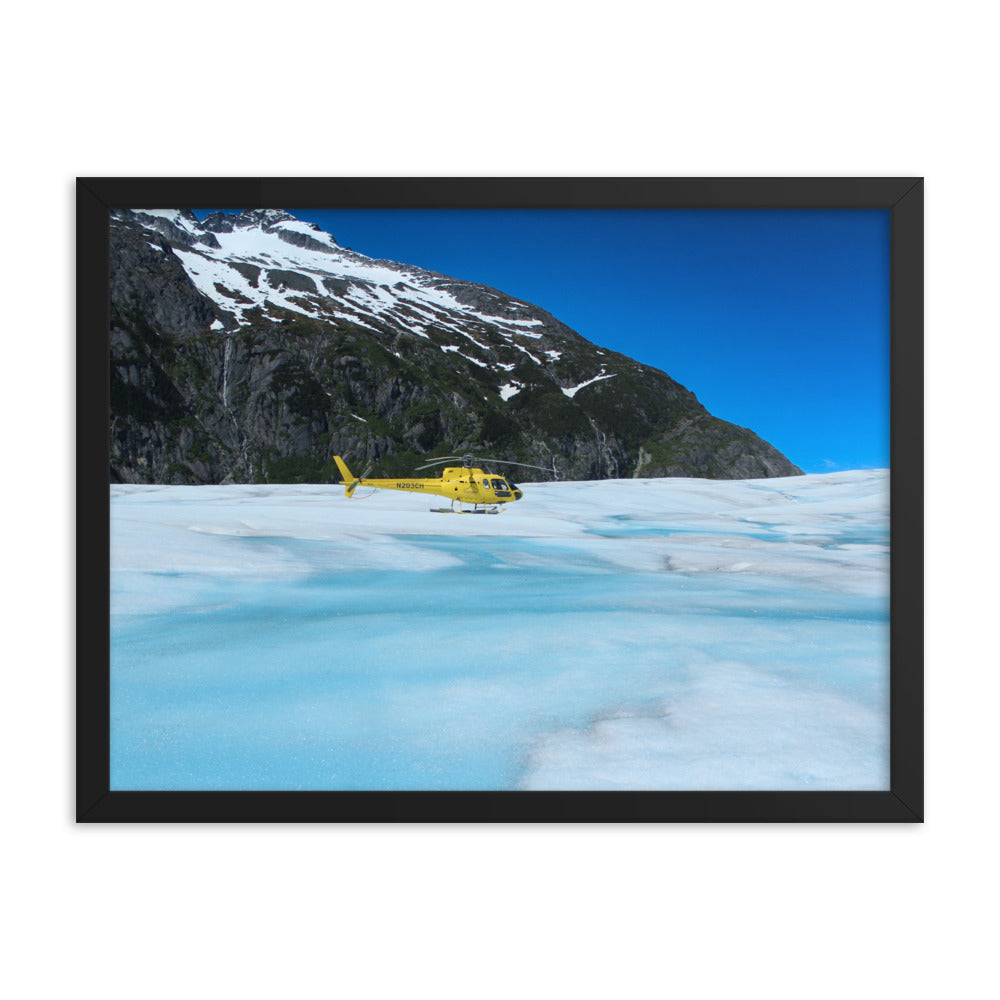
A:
{"points": [[500, 500]]}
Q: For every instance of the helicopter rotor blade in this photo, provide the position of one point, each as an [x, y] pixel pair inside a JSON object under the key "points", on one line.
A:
{"points": [[439, 461], [504, 461], [467, 460]]}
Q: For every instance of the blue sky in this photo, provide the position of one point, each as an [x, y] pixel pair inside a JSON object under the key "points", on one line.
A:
{"points": [[777, 320]]}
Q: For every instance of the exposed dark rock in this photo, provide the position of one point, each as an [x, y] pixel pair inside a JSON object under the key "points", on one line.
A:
{"points": [[278, 278], [179, 235], [153, 284], [297, 239]]}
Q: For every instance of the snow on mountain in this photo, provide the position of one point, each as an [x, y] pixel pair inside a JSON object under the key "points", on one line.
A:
{"points": [[571, 392], [251, 262]]}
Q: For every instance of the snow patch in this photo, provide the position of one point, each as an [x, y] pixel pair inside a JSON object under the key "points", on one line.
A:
{"points": [[454, 350], [576, 388]]}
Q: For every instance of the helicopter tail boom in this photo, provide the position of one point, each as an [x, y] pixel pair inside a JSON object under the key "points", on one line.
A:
{"points": [[350, 480]]}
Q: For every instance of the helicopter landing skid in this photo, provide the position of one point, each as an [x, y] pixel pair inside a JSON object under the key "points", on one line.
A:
{"points": [[475, 510]]}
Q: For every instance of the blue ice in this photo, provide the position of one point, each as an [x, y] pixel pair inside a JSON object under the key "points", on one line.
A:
{"points": [[683, 653]]}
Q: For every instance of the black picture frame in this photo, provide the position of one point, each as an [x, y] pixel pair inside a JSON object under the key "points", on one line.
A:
{"points": [[903, 802]]}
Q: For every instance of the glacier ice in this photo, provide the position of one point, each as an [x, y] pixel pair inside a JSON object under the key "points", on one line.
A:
{"points": [[653, 634]]}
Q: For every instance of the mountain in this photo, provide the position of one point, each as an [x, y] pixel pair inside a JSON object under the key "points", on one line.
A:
{"points": [[252, 347]]}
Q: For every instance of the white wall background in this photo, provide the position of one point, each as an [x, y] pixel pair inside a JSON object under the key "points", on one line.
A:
{"points": [[718, 88]]}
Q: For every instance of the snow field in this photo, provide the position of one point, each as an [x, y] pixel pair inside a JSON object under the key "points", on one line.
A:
{"points": [[622, 634]]}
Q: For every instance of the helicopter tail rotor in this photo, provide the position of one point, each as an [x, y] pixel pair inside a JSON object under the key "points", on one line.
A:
{"points": [[350, 482]]}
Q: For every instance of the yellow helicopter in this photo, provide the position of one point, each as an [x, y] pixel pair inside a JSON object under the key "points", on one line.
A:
{"points": [[459, 484]]}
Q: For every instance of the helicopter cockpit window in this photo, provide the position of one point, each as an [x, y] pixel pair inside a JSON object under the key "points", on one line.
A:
{"points": [[499, 484]]}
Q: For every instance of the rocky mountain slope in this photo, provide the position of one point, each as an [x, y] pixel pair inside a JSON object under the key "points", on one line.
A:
{"points": [[253, 348]]}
